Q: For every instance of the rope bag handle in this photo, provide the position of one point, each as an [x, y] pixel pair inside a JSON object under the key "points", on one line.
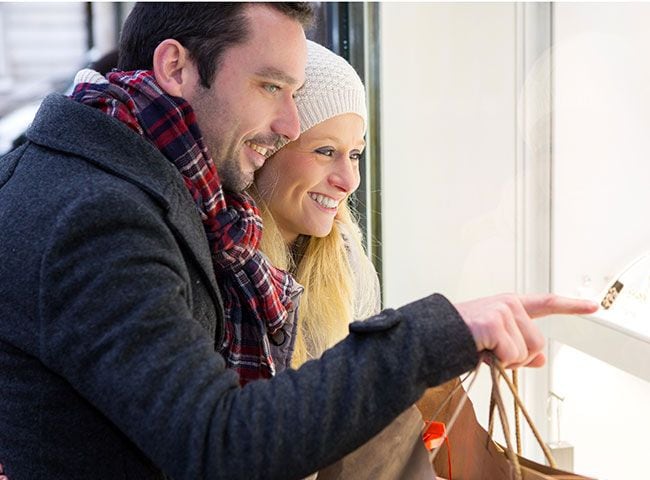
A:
{"points": [[496, 402]]}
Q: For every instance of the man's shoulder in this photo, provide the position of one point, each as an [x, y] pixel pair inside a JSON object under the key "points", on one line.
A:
{"points": [[68, 126], [77, 138]]}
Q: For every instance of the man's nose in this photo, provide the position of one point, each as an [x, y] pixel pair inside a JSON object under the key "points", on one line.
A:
{"points": [[286, 122]]}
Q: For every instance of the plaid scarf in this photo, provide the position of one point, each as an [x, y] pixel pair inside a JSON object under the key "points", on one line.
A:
{"points": [[256, 295]]}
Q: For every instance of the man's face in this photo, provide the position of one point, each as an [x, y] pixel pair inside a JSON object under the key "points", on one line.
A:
{"points": [[250, 106]]}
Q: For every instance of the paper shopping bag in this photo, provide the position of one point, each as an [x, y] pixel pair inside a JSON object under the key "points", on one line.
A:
{"points": [[397, 452], [470, 451], [535, 471], [473, 455]]}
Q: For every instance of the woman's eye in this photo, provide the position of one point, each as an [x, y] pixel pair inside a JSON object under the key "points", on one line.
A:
{"points": [[325, 151], [355, 156], [271, 88]]}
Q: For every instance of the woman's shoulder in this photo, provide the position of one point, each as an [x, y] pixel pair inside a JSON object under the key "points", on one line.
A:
{"points": [[351, 236], [367, 295], [347, 233]]}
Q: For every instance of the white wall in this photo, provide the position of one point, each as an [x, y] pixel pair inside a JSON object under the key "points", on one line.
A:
{"points": [[601, 174], [448, 154], [450, 184], [447, 149]]}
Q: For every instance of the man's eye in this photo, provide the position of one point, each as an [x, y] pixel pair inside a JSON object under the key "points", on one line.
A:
{"points": [[271, 88]]}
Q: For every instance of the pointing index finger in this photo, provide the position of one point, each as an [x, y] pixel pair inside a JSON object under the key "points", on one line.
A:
{"points": [[539, 305]]}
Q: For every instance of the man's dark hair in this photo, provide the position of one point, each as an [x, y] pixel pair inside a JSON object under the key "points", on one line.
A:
{"points": [[205, 29]]}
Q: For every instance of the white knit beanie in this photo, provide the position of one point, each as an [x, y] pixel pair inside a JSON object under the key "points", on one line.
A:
{"points": [[332, 87]]}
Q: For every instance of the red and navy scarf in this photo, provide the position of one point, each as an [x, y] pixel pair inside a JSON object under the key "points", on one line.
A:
{"points": [[256, 294]]}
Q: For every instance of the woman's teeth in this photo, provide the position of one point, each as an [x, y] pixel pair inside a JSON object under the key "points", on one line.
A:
{"points": [[326, 202]]}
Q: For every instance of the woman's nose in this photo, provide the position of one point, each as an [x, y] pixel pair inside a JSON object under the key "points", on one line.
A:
{"points": [[345, 175]]}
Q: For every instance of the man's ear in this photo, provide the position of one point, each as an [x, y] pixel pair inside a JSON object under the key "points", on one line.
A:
{"points": [[172, 67]]}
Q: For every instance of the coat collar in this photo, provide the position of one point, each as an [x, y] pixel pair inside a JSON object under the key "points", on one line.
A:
{"points": [[113, 147]]}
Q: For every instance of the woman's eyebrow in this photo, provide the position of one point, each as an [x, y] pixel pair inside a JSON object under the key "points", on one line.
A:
{"points": [[335, 139]]}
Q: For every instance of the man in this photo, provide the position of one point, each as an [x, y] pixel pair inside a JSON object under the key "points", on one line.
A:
{"points": [[112, 218]]}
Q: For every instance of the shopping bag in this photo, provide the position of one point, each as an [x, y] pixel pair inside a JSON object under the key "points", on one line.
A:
{"points": [[473, 456], [522, 467], [397, 452], [470, 450]]}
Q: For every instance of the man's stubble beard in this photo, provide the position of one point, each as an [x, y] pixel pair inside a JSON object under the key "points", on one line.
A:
{"points": [[233, 179], [225, 158]]}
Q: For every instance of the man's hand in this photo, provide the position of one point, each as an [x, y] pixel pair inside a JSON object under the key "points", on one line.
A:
{"points": [[503, 324]]}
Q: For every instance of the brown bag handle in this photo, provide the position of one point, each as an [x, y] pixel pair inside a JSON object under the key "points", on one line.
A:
{"points": [[459, 407], [496, 365], [496, 400]]}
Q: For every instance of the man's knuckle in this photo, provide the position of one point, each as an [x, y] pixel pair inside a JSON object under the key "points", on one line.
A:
{"points": [[536, 343], [503, 314], [550, 302]]}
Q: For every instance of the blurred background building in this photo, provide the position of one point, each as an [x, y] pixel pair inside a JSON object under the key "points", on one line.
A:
{"points": [[42, 46]]}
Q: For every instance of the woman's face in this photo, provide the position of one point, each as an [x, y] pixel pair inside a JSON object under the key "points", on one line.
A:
{"points": [[305, 182]]}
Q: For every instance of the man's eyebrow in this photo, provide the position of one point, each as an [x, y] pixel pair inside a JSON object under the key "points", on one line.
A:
{"points": [[278, 75]]}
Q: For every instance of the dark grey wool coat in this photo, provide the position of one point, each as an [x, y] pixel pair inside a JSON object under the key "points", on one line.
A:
{"points": [[109, 316]]}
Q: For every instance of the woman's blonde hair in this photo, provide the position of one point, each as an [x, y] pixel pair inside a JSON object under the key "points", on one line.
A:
{"points": [[332, 297], [339, 280]]}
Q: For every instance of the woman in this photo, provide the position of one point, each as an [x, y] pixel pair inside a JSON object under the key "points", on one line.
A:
{"points": [[303, 192]]}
